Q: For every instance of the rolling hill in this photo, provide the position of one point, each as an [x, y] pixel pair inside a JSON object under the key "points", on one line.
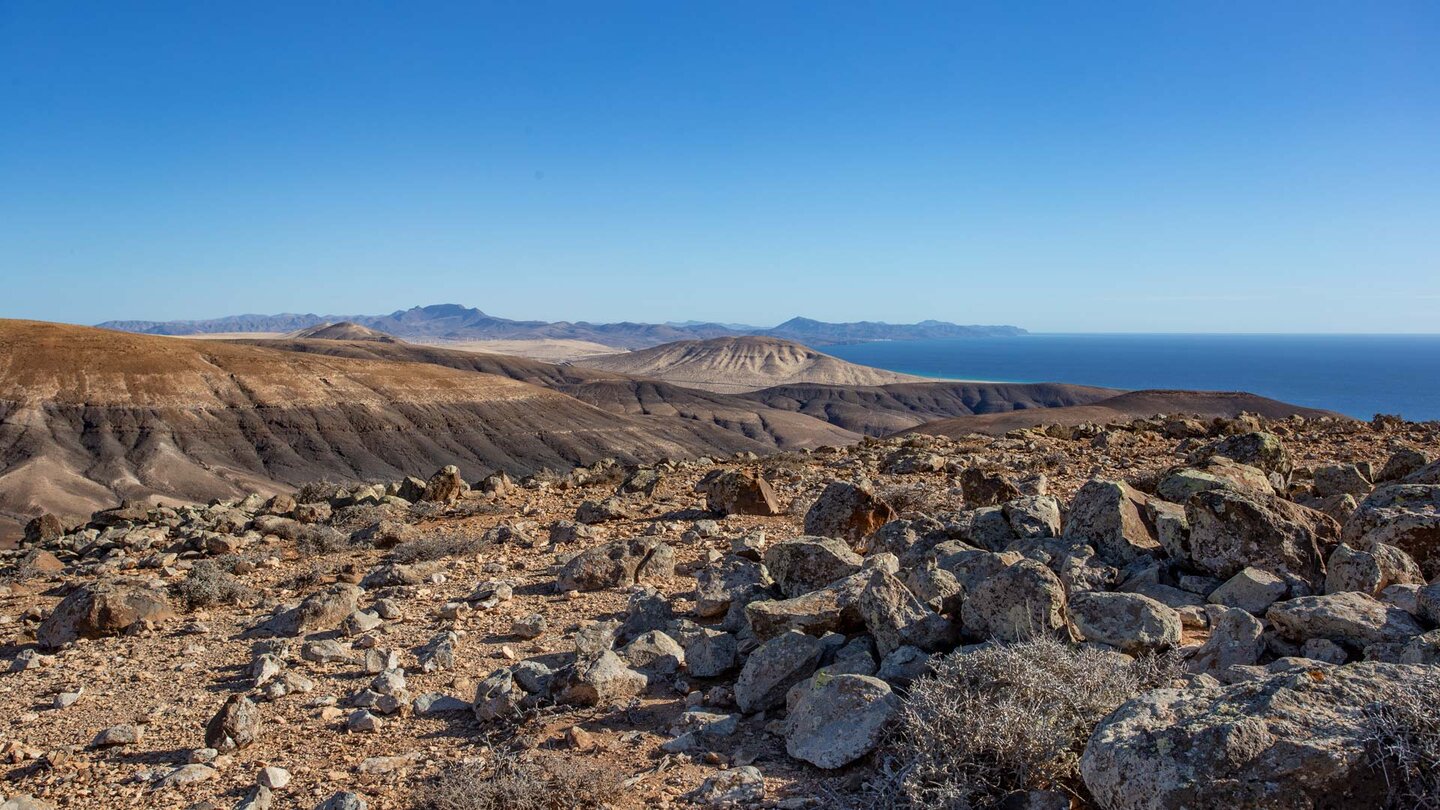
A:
{"points": [[742, 364], [89, 417]]}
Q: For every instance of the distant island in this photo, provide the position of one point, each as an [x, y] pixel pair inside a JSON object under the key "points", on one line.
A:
{"points": [[460, 323]]}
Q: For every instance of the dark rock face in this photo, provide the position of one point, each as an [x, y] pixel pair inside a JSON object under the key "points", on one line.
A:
{"points": [[847, 511], [235, 726], [44, 529], [983, 488], [102, 609], [1230, 531], [738, 493]]}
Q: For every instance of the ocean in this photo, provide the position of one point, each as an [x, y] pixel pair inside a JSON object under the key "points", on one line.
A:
{"points": [[1357, 375]]}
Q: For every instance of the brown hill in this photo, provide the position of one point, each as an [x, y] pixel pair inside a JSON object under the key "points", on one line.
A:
{"points": [[344, 330], [1121, 408], [617, 393], [89, 417], [886, 409], [734, 365]]}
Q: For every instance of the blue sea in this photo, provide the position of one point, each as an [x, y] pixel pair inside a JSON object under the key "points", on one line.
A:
{"points": [[1357, 375]]}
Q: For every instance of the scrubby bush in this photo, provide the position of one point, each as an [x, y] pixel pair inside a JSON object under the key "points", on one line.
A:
{"points": [[315, 541], [508, 782], [316, 491], [436, 547], [1006, 718], [1403, 732], [210, 583]]}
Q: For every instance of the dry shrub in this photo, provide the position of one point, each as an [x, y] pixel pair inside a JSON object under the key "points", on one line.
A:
{"points": [[1005, 718], [320, 541], [436, 547], [210, 583], [1403, 733], [508, 782]]}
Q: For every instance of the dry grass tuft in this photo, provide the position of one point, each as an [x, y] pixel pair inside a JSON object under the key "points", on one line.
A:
{"points": [[508, 782]]}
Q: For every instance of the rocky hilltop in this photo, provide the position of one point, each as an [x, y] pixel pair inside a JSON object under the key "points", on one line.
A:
{"points": [[1159, 613]]}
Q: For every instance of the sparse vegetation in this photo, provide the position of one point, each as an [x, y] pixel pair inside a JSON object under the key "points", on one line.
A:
{"points": [[210, 583], [508, 782], [1007, 718], [436, 547], [1404, 737]]}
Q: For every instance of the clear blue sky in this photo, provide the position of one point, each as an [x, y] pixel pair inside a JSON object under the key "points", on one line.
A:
{"points": [[1138, 166]]}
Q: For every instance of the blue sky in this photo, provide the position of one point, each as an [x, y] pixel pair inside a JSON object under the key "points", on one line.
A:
{"points": [[1138, 166]]}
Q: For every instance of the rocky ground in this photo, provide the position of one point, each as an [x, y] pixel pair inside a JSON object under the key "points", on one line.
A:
{"points": [[745, 630]]}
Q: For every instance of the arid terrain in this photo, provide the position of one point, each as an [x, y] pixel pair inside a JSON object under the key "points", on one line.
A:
{"points": [[741, 365], [748, 631], [735, 573]]}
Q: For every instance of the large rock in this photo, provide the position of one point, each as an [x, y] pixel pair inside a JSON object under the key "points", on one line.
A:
{"points": [[1023, 601], [896, 618], [1230, 531], [1252, 590], [773, 668], [1236, 639], [1296, 740], [235, 726], [1111, 516], [738, 492], [1406, 516], [602, 679], [105, 608], [1134, 623], [839, 719], [1263, 450], [497, 696], [445, 486], [44, 530], [982, 488], [1341, 479], [618, 564], [1219, 472], [323, 610], [808, 563], [847, 511], [833, 608], [1351, 618], [1033, 516], [1370, 571], [727, 581]]}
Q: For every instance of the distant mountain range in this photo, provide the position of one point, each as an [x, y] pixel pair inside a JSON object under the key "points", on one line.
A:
{"points": [[456, 322]]}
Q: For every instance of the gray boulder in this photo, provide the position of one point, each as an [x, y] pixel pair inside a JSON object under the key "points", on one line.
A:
{"points": [[105, 608], [618, 564], [1111, 517], [1230, 531], [1019, 602], [1351, 618], [773, 668], [808, 563], [1252, 590], [1296, 740], [1133, 623], [838, 720], [896, 618]]}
